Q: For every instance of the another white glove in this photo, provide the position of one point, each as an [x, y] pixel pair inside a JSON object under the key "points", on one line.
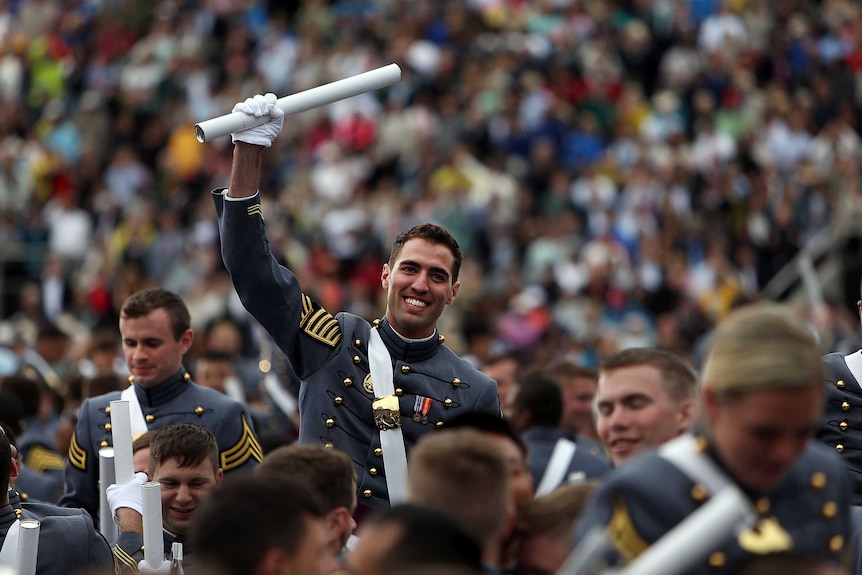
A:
{"points": [[127, 495], [258, 107], [144, 568]]}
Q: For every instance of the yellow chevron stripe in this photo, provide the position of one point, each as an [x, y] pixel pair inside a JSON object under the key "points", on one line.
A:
{"points": [[77, 456], [622, 532], [322, 326], [40, 458], [125, 558], [247, 446], [255, 210]]}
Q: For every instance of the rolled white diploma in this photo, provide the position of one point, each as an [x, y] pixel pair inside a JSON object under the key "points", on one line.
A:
{"points": [[28, 547], [107, 476], [302, 101], [718, 520], [121, 430], [151, 503]]}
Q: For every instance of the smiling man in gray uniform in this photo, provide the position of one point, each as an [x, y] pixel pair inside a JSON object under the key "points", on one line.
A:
{"points": [[340, 405]]}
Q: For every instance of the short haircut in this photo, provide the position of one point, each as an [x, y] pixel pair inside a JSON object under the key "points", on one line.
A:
{"points": [[5, 463], [433, 233], [146, 301], [489, 423], [143, 441], [26, 389], [190, 443], [237, 524], [330, 472], [541, 397], [677, 376], [564, 371], [427, 537], [462, 472], [555, 513], [762, 346], [11, 413]]}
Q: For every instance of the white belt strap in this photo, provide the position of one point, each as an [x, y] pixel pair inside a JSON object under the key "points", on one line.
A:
{"points": [[387, 418], [854, 364], [136, 415], [561, 458], [9, 551], [683, 452]]}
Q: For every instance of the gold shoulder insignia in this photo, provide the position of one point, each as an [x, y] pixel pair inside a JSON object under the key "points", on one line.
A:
{"points": [[256, 209], [40, 458], [768, 536], [622, 533], [125, 559], [246, 447], [77, 456], [319, 323]]}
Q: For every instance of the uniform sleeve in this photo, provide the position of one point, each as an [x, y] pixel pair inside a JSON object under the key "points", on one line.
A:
{"points": [[239, 447], [270, 292], [81, 473], [101, 560], [489, 400], [128, 552]]}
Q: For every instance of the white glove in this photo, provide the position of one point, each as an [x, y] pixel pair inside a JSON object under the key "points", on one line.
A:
{"points": [[258, 107], [127, 495], [144, 568]]}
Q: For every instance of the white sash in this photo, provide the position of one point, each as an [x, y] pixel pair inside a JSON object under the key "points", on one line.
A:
{"points": [[684, 454], [9, 551], [854, 364], [136, 415], [391, 440], [561, 458]]}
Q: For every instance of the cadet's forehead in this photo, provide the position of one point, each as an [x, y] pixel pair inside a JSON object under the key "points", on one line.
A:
{"points": [[422, 249]]}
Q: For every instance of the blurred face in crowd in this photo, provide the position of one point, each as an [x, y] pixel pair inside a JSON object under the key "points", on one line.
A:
{"points": [[759, 434], [151, 352], [504, 372], [418, 287], [312, 556], [375, 541], [183, 489], [636, 412], [521, 481], [213, 373], [578, 414]]}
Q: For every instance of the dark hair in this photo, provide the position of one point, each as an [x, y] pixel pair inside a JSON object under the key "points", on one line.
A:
{"points": [[564, 370], [330, 472], [250, 514], [11, 413], [487, 422], [5, 464], [678, 377], [433, 233], [143, 441], [189, 442], [428, 537], [540, 397], [146, 301], [26, 389]]}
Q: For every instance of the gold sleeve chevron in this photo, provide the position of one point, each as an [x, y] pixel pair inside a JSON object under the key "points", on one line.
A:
{"points": [[124, 560], [77, 456], [40, 458], [255, 210], [246, 447], [622, 533], [319, 323]]}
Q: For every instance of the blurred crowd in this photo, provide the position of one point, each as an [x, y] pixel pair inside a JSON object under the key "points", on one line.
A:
{"points": [[618, 173]]}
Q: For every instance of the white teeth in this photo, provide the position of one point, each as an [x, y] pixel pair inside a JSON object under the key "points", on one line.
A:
{"points": [[416, 302]]}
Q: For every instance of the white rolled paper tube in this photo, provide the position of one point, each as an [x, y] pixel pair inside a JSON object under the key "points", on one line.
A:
{"points": [[121, 430], [717, 521], [107, 477], [28, 547], [151, 503], [302, 101]]}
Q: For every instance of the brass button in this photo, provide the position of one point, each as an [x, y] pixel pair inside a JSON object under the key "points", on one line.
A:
{"points": [[107, 427], [18, 513], [839, 448], [23, 496], [439, 423], [818, 480], [108, 410], [339, 400], [330, 422], [456, 382], [843, 425], [131, 379], [762, 505], [378, 452], [830, 509], [348, 382], [836, 544], [845, 406], [199, 410], [356, 359], [357, 342], [186, 377], [698, 493], [264, 366], [447, 403], [839, 384], [328, 445], [367, 493], [405, 369], [103, 444], [150, 418], [441, 339], [372, 471], [399, 392], [716, 559], [700, 444], [376, 322]]}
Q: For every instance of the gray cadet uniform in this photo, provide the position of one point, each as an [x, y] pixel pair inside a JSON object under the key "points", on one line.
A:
{"points": [[68, 542], [588, 461], [330, 356], [806, 512], [129, 550], [173, 400], [842, 421]]}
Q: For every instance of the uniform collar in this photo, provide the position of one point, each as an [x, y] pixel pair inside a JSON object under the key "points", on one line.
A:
{"points": [[165, 391], [408, 351], [7, 517]]}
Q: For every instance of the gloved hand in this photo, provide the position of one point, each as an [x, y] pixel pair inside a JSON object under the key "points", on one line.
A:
{"points": [[258, 107], [144, 568], [127, 495]]}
